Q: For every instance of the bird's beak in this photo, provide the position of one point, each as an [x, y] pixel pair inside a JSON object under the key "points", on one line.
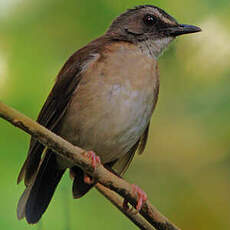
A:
{"points": [[181, 29]]}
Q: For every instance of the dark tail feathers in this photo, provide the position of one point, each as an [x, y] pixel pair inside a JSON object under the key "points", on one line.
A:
{"points": [[36, 198], [79, 188]]}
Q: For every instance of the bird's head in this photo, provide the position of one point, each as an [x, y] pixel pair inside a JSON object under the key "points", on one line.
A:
{"points": [[149, 27]]}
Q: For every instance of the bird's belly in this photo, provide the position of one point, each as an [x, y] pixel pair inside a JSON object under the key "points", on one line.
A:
{"points": [[109, 122]]}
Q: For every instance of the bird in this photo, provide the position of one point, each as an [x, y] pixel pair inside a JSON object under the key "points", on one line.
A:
{"points": [[102, 101]]}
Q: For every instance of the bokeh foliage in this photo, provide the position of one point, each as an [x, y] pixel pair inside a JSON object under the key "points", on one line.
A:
{"points": [[185, 168]]}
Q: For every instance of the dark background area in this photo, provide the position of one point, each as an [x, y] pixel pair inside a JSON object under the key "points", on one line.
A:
{"points": [[185, 168]]}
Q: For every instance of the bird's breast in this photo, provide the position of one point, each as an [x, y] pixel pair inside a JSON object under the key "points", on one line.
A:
{"points": [[112, 106]]}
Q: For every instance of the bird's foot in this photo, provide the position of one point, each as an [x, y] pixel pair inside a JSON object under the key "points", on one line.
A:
{"points": [[94, 161], [142, 197]]}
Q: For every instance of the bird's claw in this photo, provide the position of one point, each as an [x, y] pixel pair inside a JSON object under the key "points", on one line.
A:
{"points": [[94, 161], [142, 197]]}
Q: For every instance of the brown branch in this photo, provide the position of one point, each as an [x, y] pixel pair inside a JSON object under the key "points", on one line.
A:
{"points": [[118, 202], [74, 154]]}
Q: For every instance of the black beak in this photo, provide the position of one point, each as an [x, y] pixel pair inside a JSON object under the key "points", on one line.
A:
{"points": [[182, 29]]}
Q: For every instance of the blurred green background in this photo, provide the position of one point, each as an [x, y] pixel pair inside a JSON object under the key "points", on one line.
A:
{"points": [[185, 168]]}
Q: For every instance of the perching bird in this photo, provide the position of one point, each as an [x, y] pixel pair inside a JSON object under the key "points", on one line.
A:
{"points": [[102, 100]]}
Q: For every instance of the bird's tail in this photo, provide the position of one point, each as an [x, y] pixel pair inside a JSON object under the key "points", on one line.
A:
{"points": [[36, 197], [80, 188]]}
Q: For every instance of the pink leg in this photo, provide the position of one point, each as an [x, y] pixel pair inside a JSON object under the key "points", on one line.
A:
{"points": [[95, 160], [142, 197]]}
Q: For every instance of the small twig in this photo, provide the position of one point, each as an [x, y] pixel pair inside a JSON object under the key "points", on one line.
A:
{"points": [[74, 154], [118, 202]]}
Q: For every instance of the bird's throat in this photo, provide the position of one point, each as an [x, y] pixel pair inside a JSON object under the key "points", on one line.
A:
{"points": [[154, 48]]}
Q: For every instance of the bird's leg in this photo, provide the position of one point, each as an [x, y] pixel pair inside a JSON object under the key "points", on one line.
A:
{"points": [[94, 161], [142, 197]]}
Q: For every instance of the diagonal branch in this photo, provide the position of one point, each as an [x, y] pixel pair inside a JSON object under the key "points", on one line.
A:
{"points": [[118, 202], [74, 154]]}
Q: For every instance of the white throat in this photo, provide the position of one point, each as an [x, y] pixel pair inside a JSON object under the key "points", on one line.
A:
{"points": [[154, 48]]}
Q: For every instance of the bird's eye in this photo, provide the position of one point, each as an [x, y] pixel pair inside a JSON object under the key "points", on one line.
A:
{"points": [[149, 20]]}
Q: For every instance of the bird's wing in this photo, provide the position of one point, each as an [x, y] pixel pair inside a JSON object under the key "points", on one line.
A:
{"points": [[122, 164], [143, 140], [55, 106]]}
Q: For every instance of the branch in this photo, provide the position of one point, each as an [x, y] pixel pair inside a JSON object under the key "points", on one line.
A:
{"points": [[118, 202], [74, 154]]}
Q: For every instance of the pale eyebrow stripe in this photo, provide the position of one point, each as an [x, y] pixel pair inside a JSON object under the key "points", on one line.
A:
{"points": [[164, 19]]}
